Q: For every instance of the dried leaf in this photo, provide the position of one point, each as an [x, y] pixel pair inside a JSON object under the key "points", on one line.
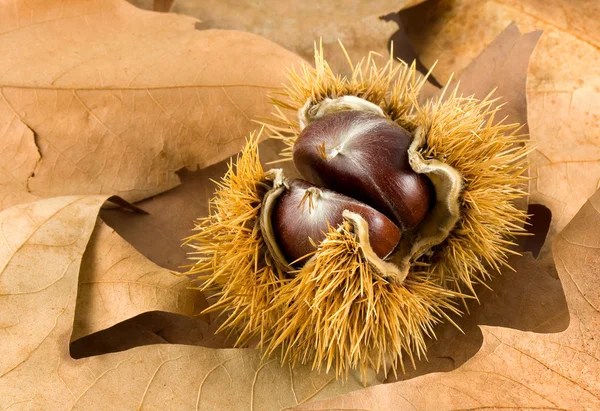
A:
{"points": [[361, 26], [151, 327], [117, 283], [502, 68], [41, 249], [40, 256], [562, 87], [119, 99], [158, 235], [526, 299], [18, 158], [516, 369]]}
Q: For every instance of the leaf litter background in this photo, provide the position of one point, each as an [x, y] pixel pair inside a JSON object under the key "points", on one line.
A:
{"points": [[100, 98]]}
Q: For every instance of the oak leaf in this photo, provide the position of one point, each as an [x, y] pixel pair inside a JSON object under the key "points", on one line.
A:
{"points": [[361, 26], [18, 158], [118, 99], [40, 258], [158, 235], [117, 283]]}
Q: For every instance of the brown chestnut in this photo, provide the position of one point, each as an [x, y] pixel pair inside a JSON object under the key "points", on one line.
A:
{"points": [[365, 156], [304, 212]]}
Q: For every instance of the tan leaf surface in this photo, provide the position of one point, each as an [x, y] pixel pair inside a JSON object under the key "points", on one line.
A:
{"points": [[296, 25], [516, 369], [120, 99], [526, 299], [40, 257], [117, 283], [18, 157], [502, 68], [41, 249], [563, 89]]}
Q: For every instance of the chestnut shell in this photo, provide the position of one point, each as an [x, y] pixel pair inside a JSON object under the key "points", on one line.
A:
{"points": [[365, 156], [296, 220]]}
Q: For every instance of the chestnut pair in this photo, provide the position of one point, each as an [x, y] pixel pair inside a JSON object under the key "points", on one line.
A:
{"points": [[355, 161]]}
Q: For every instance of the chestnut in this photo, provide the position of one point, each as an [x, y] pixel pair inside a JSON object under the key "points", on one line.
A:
{"points": [[303, 214], [365, 156]]}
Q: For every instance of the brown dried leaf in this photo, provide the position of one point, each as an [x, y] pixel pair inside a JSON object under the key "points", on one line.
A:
{"points": [[117, 283], [119, 99], [40, 256], [296, 25], [526, 299], [18, 158], [562, 87], [158, 235], [516, 369], [502, 68], [151, 327]]}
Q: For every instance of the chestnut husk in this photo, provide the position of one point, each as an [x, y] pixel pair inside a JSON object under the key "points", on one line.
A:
{"points": [[330, 311], [475, 163]]}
